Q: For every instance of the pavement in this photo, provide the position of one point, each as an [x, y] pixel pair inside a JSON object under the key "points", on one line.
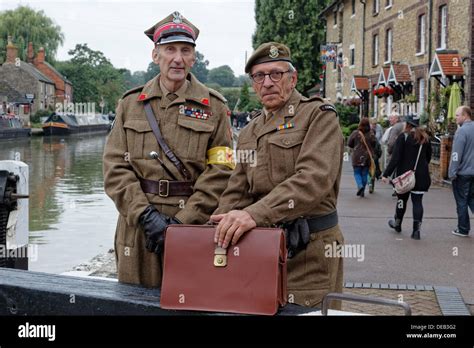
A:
{"points": [[438, 259]]}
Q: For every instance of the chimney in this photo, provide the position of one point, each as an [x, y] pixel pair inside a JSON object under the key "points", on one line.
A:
{"points": [[12, 51], [30, 54], [40, 56]]}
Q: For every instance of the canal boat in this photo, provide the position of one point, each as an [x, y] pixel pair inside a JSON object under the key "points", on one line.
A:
{"points": [[11, 127], [64, 124]]}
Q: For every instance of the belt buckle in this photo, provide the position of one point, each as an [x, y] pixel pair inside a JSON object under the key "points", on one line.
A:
{"points": [[167, 188]]}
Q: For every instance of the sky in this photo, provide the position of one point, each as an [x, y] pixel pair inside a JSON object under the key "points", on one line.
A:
{"points": [[116, 27]]}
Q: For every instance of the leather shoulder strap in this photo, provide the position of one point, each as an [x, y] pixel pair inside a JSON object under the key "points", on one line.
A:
{"points": [[365, 143], [159, 138]]}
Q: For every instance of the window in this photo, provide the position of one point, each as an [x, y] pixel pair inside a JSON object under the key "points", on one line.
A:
{"points": [[335, 17], [421, 35], [421, 94], [375, 50], [352, 62], [376, 7], [388, 45], [353, 7], [388, 4], [443, 26]]}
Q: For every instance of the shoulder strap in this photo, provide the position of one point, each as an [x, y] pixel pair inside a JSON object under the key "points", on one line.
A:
{"points": [[366, 146], [159, 138], [418, 157]]}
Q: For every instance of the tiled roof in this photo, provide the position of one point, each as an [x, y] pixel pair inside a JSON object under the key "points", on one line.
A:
{"points": [[451, 64], [402, 72], [13, 96], [57, 72], [35, 72], [361, 83]]}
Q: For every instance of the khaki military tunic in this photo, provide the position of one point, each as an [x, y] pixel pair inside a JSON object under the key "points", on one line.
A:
{"points": [[194, 123], [295, 171]]}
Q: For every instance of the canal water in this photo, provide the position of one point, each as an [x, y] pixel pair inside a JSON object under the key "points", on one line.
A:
{"points": [[71, 219]]}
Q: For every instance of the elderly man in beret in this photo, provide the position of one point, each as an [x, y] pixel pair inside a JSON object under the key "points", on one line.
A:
{"points": [[167, 159], [295, 182]]}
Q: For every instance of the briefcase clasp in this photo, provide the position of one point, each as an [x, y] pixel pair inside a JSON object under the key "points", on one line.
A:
{"points": [[220, 257]]}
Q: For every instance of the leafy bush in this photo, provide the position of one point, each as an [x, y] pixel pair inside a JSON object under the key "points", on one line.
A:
{"points": [[36, 118], [347, 114]]}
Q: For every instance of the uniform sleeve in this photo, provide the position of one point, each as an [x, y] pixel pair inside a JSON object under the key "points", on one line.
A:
{"points": [[317, 169], [213, 181], [120, 181]]}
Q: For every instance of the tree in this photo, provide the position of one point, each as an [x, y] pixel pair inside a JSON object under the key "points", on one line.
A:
{"points": [[244, 98], [222, 75], [93, 76], [297, 25], [200, 68], [24, 25]]}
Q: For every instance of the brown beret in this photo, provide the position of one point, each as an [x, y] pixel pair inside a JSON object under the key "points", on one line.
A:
{"points": [[174, 28], [268, 52]]}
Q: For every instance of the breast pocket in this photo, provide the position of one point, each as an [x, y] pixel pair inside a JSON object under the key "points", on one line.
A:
{"points": [[284, 149], [140, 138], [192, 138]]}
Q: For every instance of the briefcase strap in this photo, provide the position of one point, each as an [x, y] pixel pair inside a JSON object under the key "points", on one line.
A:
{"points": [[159, 138], [166, 188], [321, 223]]}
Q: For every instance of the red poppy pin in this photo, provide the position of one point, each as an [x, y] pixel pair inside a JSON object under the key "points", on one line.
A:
{"points": [[142, 96], [205, 101]]}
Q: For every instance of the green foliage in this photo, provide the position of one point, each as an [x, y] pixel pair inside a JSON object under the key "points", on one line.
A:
{"points": [[241, 79], [244, 98], [347, 114], [133, 80], [36, 118], [24, 25], [200, 68], [93, 76], [222, 75], [297, 25], [232, 95]]}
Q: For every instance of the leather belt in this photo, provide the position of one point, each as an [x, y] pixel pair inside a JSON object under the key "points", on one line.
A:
{"points": [[321, 223], [166, 188]]}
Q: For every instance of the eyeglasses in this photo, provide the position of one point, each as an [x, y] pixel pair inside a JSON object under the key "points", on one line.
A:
{"points": [[275, 76]]}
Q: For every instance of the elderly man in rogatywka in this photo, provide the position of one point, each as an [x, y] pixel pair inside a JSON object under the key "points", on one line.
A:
{"points": [[295, 183], [167, 159]]}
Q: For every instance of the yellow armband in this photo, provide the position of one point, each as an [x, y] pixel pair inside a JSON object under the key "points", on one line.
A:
{"points": [[221, 155]]}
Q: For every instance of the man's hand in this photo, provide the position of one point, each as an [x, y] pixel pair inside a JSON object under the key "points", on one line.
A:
{"points": [[154, 225], [385, 180], [232, 226]]}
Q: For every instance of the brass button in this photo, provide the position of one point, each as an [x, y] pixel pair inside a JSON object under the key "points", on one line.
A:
{"points": [[307, 303], [286, 142]]}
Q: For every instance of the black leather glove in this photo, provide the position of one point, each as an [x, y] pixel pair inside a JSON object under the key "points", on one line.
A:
{"points": [[154, 225], [297, 236]]}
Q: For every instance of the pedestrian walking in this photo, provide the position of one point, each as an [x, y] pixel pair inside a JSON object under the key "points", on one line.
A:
{"points": [[362, 141], [461, 169], [412, 151]]}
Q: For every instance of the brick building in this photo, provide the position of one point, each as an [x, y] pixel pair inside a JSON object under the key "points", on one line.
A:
{"points": [[412, 46], [63, 87], [28, 81]]}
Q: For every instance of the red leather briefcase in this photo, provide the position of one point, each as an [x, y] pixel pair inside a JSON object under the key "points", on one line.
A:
{"points": [[249, 277]]}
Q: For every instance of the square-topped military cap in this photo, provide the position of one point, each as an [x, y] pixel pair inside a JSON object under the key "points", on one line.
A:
{"points": [[268, 52], [174, 28]]}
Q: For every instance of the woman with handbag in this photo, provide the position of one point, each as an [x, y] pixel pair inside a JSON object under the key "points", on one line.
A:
{"points": [[362, 141], [410, 162]]}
